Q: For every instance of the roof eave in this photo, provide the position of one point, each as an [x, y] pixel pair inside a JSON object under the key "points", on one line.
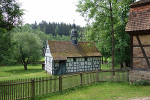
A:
{"points": [[139, 32], [138, 4]]}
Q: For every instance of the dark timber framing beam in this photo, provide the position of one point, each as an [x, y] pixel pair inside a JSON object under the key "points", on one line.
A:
{"points": [[131, 51], [142, 57], [143, 51], [142, 45]]}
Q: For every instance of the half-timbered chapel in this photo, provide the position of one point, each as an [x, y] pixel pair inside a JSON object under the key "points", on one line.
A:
{"points": [[63, 57]]}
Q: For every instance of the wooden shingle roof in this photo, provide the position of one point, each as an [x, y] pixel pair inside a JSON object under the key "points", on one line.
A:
{"points": [[60, 50], [139, 16]]}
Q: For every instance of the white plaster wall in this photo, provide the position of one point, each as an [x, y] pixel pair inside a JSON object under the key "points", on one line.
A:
{"points": [[83, 65], [48, 60]]}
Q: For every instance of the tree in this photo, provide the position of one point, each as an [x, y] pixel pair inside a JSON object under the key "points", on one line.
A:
{"points": [[107, 17], [6, 46], [28, 47], [82, 33], [56, 31], [122, 39], [27, 29], [34, 26], [50, 28], [10, 16], [101, 8]]}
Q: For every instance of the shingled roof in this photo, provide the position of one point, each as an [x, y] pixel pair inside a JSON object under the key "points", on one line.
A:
{"points": [[140, 3], [139, 16], [60, 50]]}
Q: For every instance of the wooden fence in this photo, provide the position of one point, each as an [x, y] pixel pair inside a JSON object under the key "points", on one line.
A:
{"points": [[27, 88]]}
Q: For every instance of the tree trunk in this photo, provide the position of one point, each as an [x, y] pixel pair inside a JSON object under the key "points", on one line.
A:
{"points": [[102, 60], [25, 63], [25, 66], [112, 32], [126, 64], [129, 64], [121, 64]]}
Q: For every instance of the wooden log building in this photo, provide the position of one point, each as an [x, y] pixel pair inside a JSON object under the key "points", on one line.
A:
{"points": [[138, 27]]}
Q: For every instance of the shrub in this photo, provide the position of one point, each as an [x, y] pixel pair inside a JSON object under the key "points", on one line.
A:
{"points": [[142, 83]]}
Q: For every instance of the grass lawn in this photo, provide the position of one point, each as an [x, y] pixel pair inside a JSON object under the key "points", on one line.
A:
{"points": [[18, 72], [101, 91], [108, 67], [105, 66], [97, 91], [42, 59]]}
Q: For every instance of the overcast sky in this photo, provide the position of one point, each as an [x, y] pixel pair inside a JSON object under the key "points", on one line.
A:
{"points": [[51, 10]]}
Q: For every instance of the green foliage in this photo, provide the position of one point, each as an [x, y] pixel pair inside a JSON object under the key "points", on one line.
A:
{"points": [[82, 34], [34, 26], [44, 37], [56, 30], [10, 16], [27, 29], [142, 83], [28, 47], [23, 33], [6, 46], [98, 13]]}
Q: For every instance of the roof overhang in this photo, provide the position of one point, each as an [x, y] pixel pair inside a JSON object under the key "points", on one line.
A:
{"points": [[140, 32]]}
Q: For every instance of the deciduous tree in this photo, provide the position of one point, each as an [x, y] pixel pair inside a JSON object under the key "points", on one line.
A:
{"points": [[107, 20], [10, 16], [28, 47]]}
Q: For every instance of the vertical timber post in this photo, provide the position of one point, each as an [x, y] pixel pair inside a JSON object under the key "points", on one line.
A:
{"points": [[60, 83], [127, 75], [81, 78], [32, 88], [97, 75], [131, 51]]}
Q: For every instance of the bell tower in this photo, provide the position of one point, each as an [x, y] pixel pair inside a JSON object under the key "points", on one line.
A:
{"points": [[74, 35]]}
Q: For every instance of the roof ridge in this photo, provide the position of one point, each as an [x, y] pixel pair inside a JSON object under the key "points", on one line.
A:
{"points": [[56, 40], [70, 41]]}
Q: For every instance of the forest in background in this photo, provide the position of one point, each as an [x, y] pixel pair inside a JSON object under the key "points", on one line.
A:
{"points": [[54, 28]]}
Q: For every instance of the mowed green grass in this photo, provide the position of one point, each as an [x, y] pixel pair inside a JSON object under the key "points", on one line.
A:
{"points": [[98, 91], [101, 91], [18, 72]]}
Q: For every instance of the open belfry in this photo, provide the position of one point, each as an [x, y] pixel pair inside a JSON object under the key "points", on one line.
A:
{"points": [[138, 27]]}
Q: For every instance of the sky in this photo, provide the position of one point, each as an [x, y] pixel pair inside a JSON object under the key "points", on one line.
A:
{"points": [[51, 11]]}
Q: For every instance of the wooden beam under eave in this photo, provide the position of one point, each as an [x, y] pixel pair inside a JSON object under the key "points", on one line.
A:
{"points": [[139, 32]]}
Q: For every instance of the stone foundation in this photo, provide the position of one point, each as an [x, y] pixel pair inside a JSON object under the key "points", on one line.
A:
{"points": [[137, 75]]}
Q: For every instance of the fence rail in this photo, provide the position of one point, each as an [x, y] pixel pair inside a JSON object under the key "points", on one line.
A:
{"points": [[27, 88]]}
